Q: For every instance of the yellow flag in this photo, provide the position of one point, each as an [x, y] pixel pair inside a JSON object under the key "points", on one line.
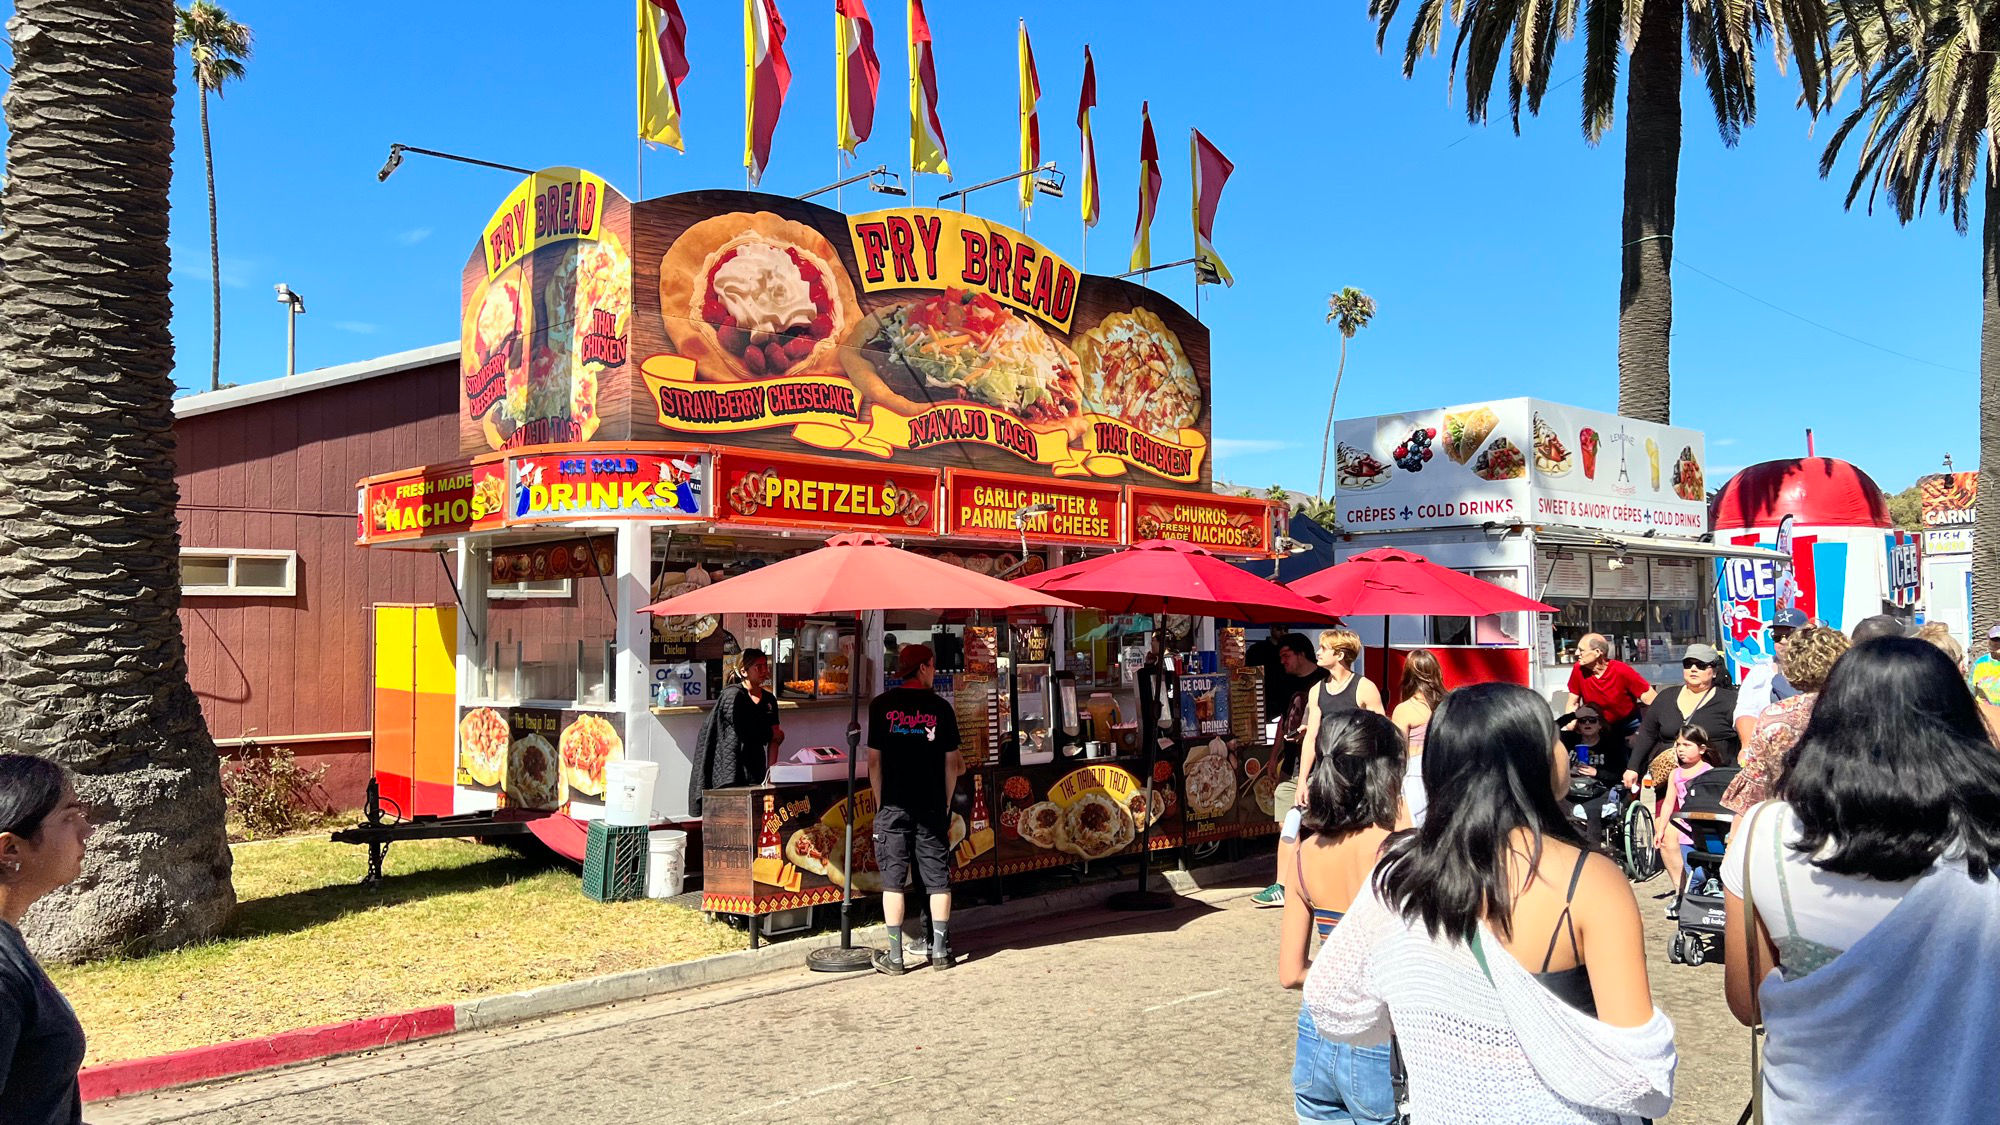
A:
{"points": [[662, 65], [1149, 191]]}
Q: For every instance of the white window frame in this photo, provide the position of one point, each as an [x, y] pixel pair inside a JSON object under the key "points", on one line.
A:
{"points": [[233, 590], [529, 589]]}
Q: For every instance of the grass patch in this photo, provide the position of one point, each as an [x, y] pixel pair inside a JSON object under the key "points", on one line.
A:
{"points": [[451, 920]]}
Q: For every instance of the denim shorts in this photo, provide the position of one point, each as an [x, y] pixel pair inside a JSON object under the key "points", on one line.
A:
{"points": [[1338, 1082]]}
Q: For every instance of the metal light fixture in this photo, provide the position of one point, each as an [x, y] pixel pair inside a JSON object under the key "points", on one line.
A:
{"points": [[396, 152], [296, 307], [1048, 181], [878, 178]]}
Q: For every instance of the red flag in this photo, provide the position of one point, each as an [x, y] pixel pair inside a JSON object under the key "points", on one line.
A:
{"points": [[766, 77], [927, 152], [1211, 170], [1149, 190], [859, 74], [1086, 102], [662, 65]]}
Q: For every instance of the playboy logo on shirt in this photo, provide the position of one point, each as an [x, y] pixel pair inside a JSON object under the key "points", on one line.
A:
{"points": [[913, 722]]}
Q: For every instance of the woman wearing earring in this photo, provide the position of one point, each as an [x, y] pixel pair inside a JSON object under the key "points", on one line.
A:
{"points": [[43, 827]]}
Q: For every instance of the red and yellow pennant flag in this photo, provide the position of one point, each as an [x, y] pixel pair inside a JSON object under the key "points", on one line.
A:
{"points": [[926, 131], [662, 64], [1211, 170], [766, 77], [1031, 125], [1085, 102], [858, 74], [1149, 190]]}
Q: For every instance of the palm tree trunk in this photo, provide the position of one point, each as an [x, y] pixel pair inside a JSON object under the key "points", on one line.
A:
{"points": [[1327, 441], [214, 254], [1986, 522], [1652, 172], [92, 668]]}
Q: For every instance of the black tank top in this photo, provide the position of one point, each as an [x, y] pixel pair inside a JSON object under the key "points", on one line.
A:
{"points": [[1333, 702]]}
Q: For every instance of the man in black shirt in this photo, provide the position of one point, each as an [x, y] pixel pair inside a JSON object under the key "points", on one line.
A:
{"points": [[913, 766], [1302, 675]]}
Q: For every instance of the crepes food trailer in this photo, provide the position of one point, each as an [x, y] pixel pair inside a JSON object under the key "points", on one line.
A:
{"points": [[1605, 518], [658, 394]]}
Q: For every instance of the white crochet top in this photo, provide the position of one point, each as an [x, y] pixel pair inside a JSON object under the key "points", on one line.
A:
{"points": [[1481, 1051]]}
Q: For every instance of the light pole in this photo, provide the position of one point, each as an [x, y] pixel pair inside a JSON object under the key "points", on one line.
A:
{"points": [[294, 306], [396, 152]]}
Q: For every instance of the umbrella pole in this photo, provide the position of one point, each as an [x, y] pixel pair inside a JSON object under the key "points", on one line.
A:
{"points": [[1144, 898], [847, 957]]}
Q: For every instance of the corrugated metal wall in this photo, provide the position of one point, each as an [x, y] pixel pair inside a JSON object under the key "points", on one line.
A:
{"points": [[280, 475]]}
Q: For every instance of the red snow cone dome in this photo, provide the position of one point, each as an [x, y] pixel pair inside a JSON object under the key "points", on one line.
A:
{"points": [[1817, 491]]}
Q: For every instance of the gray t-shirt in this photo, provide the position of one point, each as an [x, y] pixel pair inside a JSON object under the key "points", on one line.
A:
{"points": [[41, 1042]]}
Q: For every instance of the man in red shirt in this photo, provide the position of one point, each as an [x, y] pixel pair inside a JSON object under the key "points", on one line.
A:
{"points": [[1614, 687]]}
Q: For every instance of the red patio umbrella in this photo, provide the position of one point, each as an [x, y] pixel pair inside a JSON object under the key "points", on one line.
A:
{"points": [[1170, 576], [1159, 576], [853, 574], [1390, 581]]}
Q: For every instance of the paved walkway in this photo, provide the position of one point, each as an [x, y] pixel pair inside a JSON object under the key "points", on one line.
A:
{"points": [[1172, 1017]]}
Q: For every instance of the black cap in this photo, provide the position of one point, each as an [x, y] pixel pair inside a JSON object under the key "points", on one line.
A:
{"points": [[1880, 625]]}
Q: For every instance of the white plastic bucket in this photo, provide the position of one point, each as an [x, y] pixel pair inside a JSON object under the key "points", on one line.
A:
{"points": [[666, 862], [628, 792]]}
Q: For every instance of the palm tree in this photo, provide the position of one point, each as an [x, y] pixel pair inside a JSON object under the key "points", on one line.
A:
{"points": [[1926, 93], [217, 45], [1348, 310], [1721, 41], [92, 669]]}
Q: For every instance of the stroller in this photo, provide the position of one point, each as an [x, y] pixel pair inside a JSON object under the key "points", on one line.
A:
{"points": [[1699, 934]]}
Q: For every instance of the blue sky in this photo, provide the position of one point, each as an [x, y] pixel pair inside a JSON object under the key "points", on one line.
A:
{"points": [[1493, 257]]}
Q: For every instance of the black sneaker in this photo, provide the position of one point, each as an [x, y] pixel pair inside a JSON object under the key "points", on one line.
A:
{"points": [[892, 966], [940, 958]]}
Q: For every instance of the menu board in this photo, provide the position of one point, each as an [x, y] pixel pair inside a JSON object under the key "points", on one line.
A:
{"points": [[1618, 582], [1563, 576], [1676, 579]]}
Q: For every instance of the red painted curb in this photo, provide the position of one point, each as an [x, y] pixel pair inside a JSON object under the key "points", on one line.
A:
{"points": [[222, 1060]]}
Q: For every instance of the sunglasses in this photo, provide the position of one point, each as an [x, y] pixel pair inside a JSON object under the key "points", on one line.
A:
{"points": [[1589, 722], [1691, 664]]}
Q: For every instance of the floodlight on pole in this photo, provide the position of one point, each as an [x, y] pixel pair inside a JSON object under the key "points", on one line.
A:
{"points": [[295, 306]]}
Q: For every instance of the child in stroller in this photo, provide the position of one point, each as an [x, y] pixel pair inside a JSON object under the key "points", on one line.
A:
{"points": [[1700, 818]]}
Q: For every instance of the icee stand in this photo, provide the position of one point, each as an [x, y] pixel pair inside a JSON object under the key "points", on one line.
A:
{"points": [[1605, 518], [617, 445]]}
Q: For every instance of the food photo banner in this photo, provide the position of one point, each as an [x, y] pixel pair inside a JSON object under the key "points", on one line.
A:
{"points": [[1520, 461], [546, 301], [924, 337]]}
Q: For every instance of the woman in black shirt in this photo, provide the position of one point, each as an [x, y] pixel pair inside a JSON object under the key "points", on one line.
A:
{"points": [[740, 738], [1705, 698], [43, 827]]}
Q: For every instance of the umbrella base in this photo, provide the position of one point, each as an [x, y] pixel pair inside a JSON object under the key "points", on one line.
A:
{"points": [[841, 959], [1141, 900]]}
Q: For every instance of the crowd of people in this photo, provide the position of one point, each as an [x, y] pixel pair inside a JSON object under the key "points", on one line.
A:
{"points": [[1467, 955]]}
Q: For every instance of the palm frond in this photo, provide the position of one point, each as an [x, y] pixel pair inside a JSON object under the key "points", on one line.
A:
{"points": [[1602, 21]]}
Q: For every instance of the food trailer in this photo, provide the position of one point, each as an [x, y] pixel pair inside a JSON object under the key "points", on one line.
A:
{"points": [[659, 394], [1605, 518]]}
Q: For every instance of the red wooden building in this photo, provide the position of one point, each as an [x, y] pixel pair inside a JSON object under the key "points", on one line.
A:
{"points": [[276, 598]]}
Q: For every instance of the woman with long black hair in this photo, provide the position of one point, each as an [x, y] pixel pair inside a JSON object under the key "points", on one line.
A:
{"points": [[1351, 805], [1508, 957], [1870, 888], [43, 828]]}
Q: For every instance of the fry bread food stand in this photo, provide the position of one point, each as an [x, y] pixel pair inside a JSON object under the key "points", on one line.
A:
{"points": [[1604, 518], [657, 395]]}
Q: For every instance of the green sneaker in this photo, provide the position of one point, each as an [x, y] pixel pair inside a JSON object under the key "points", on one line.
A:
{"points": [[1273, 895]]}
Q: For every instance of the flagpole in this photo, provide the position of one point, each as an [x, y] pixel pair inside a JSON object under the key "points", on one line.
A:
{"points": [[639, 148]]}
